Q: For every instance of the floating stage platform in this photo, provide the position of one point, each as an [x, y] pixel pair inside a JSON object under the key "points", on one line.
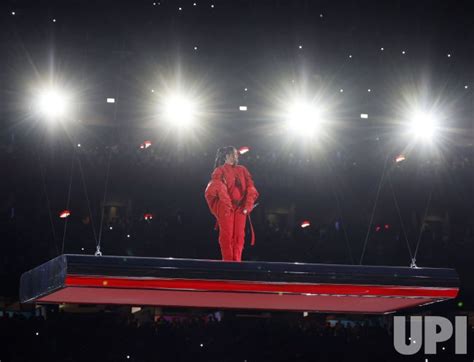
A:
{"points": [[142, 281]]}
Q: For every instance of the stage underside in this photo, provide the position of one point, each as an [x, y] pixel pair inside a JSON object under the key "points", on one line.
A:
{"points": [[140, 281]]}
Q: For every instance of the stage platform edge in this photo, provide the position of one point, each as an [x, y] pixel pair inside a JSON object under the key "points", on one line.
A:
{"points": [[141, 281]]}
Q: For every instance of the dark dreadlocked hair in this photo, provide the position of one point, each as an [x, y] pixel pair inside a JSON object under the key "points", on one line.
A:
{"points": [[222, 153]]}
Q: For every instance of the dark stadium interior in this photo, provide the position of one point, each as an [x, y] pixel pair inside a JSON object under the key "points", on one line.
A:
{"points": [[364, 206]]}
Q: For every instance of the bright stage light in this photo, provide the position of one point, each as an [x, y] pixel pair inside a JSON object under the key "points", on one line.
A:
{"points": [[145, 144], [180, 111], [148, 216], [64, 214], [303, 118], [243, 150], [400, 158], [305, 224], [423, 125], [52, 104]]}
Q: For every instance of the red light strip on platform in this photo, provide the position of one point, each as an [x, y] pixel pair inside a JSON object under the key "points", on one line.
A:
{"points": [[241, 286]]}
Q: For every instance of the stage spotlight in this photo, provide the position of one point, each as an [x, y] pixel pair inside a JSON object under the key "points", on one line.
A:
{"points": [[423, 125], [64, 214], [243, 150], [180, 111], [145, 144], [148, 216], [305, 224], [52, 104], [303, 118], [400, 158]]}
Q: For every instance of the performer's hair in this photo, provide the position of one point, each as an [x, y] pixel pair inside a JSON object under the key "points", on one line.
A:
{"points": [[222, 153]]}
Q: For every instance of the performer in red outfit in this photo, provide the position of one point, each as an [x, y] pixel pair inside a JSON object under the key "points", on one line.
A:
{"points": [[231, 195]]}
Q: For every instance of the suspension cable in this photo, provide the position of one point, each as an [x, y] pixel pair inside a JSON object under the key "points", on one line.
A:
{"points": [[400, 217], [68, 200], [339, 210], [373, 210], [413, 263], [87, 198], [98, 252]]}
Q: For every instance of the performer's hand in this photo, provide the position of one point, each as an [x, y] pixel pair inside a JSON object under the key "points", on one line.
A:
{"points": [[245, 211]]}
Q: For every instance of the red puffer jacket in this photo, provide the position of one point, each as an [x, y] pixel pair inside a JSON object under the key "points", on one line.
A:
{"points": [[231, 187]]}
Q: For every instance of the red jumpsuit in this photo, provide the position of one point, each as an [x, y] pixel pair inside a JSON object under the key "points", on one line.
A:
{"points": [[231, 191]]}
